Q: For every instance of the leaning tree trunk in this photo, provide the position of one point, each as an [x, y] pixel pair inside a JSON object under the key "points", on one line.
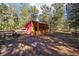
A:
{"points": [[50, 27], [75, 29], [75, 26]]}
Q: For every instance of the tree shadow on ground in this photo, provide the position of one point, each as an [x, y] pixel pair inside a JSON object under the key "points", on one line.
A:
{"points": [[67, 38], [56, 44]]}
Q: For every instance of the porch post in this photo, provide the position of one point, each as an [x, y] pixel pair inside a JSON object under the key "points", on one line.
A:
{"points": [[38, 28]]}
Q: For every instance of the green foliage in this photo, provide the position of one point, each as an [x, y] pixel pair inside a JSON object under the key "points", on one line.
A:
{"points": [[9, 18], [45, 17], [34, 12], [28, 13], [59, 15], [25, 16], [73, 15], [54, 17]]}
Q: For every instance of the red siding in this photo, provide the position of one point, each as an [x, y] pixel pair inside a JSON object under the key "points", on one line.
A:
{"points": [[29, 28]]}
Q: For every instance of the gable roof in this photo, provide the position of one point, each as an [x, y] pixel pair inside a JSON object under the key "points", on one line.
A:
{"points": [[36, 22]]}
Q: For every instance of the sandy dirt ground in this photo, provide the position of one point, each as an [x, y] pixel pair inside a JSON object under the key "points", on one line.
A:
{"points": [[55, 44]]}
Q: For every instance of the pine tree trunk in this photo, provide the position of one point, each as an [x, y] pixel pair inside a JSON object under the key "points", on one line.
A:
{"points": [[75, 26], [50, 27], [75, 29]]}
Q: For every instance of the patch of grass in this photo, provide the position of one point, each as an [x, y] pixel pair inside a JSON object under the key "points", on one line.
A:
{"points": [[51, 40]]}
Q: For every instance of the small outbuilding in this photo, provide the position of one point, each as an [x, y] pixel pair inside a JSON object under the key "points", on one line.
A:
{"points": [[36, 27]]}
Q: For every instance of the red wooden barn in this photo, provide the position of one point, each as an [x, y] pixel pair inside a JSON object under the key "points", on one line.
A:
{"points": [[35, 27]]}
